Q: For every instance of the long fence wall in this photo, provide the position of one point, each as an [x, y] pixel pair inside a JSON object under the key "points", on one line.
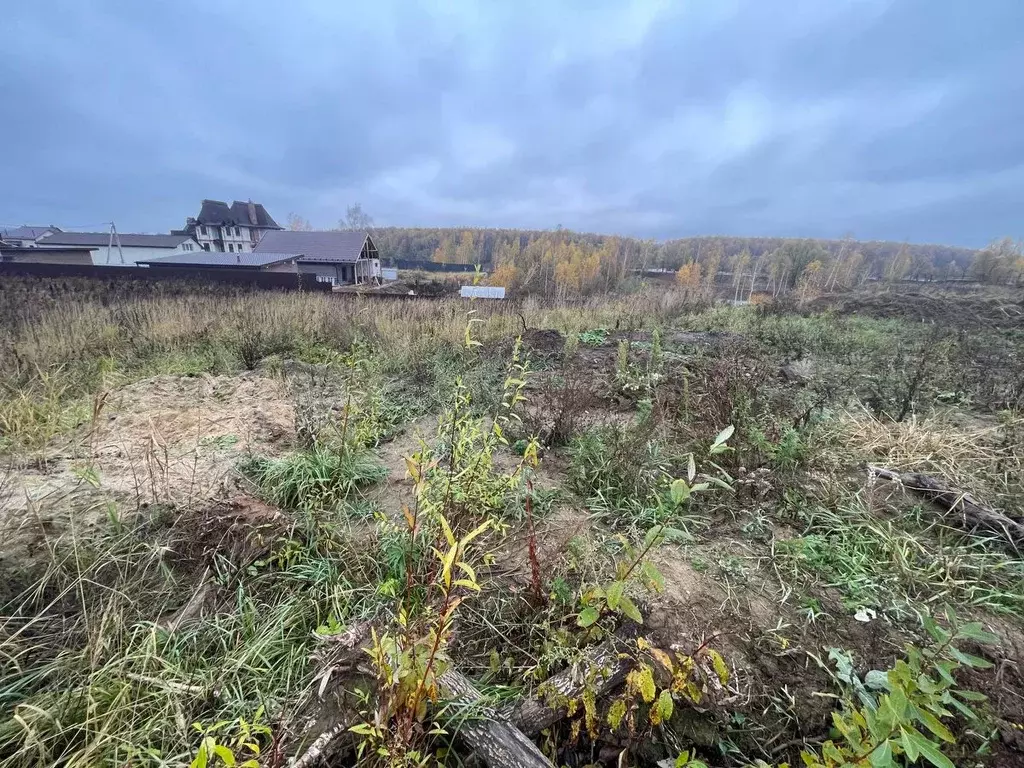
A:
{"points": [[428, 266], [245, 279]]}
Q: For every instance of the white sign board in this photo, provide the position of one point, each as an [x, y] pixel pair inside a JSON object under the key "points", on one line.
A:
{"points": [[482, 292], [389, 273]]}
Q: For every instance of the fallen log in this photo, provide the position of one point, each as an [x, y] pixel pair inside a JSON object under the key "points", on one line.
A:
{"points": [[490, 736], [969, 513], [602, 669], [486, 733], [501, 738], [332, 655]]}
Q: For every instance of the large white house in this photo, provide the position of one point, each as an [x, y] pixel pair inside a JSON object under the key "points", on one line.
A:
{"points": [[120, 250], [234, 228]]}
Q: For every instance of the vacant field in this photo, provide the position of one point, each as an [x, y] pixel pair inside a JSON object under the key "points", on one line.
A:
{"points": [[311, 529]]}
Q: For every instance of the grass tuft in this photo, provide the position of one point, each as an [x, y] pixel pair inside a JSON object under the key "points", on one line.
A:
{"points": [[318, 478]]}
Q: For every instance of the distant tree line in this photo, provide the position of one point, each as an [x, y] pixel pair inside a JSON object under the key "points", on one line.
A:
{"points": [[571, 264], [566, 263]]}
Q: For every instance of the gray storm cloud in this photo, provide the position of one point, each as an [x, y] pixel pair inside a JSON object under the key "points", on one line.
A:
{"points": [[890, 120]]}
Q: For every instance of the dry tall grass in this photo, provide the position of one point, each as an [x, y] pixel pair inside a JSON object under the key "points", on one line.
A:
{"points": [[68, 346], [79, 328]]}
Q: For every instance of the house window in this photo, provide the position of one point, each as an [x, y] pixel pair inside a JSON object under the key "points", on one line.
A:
{"points": [[206, 246], [204, 231], [237, 232]]}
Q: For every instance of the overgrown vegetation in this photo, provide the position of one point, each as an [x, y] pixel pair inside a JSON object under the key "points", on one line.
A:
{"points": [[647, 516]]}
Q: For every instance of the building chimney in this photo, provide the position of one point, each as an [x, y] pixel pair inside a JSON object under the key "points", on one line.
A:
{"points": [[252, 213]]}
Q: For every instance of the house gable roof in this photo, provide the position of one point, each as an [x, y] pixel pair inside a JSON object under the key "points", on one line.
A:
{"points": [[220, 259], [97, 239], [25, 232], [217, 213], [338, 246]]}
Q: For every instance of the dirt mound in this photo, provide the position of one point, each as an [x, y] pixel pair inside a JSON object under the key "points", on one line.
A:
{"points": [[169, 440], [545, 342], [961, 309]]}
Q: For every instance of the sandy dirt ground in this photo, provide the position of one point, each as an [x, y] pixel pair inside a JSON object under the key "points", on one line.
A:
{"points": [[165, 440]]}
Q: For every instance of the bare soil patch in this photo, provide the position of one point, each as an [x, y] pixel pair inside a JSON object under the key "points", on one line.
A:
{"points": [[165, 440]]}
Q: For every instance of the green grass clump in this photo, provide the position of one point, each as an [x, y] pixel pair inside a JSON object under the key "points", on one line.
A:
{"points": [[897, 566], [96, 673], [622, 473], [317, 478]]}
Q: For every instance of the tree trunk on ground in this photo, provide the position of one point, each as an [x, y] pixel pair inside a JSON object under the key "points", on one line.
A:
{"points": [[969, 514], [492, 738], [605, 666], [501, 739]]}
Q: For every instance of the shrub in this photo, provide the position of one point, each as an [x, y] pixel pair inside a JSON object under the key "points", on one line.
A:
{"points": [[317, 478]]}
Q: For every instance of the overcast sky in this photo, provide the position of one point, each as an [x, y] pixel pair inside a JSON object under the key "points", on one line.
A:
{"points": [[896, 120]]}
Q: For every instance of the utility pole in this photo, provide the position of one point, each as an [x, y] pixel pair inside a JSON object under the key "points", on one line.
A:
{"points": [[110, 244]]}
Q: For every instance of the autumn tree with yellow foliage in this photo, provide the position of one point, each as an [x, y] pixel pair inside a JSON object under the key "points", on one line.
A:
{"points": [[688, 278]]}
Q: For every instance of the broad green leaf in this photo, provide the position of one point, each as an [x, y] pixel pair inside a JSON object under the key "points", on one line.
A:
{"points": [[945, 670], [202, 756], [897, 699], [663, 708], [614, 594], [969, 660], [226, 755], [679, 491], [677, 535], [876, 680], [929, 721], [939, 635], [909, 745], [832, 752], [719, 446], [972, 696], [587, 617], [964, 710], [927, 749], [882, 756], [628, 608], [653, 575], [974, 631]]}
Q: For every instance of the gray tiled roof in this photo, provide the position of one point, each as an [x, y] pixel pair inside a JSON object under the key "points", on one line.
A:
{"points": [[103, 239], [339, 246], [25, 232], [217, 212], [219, 259]]}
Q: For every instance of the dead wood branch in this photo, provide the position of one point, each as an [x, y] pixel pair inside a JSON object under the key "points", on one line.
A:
{"points": [[602, 669], [490, 736], [320, 744], [501, 739], [204, 597], [333, 659], [968, 513]]}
